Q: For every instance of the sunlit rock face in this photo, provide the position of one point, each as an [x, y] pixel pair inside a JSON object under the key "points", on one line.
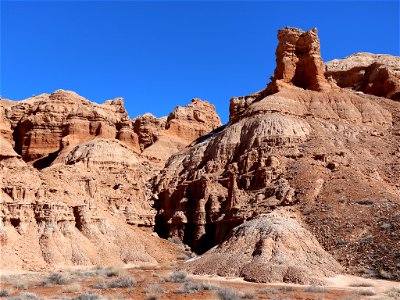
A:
{"points": [[75, 179], [303, 143]]}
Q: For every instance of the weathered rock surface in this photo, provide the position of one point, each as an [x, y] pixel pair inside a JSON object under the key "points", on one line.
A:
{"points": [[324, 154], [376, 74], [49, 126], [75, 180], [269, 248], [298, 60]]}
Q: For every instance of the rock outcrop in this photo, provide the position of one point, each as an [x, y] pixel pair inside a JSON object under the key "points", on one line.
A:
{"points": [[83, 184], [313, 146], [49, 126], [376, 74], [75, 180], [298, 60], [269, 248]]}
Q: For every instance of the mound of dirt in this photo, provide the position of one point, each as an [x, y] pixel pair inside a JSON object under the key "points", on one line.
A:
{"points": [[269, 248]]}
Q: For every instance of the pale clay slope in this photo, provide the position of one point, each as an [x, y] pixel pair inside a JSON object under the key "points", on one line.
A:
{"points": [[270, 248]]}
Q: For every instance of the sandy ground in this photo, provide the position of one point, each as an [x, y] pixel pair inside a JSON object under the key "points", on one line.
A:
{"points": [[78, 282]]}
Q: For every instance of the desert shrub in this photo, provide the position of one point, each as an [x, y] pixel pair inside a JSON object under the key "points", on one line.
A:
{"points": [[21, 286], [88, 296], [4, 293], [29, 295], [228, 294], [267, 291], [315, 289], [123, 282], [393, 293], [177, 276], [154, 288], [193, 287], [54, 279], [361, 284], [109, 272], [151, 297], [248, 295], [365, 293], [72, 288], [100, 285]]}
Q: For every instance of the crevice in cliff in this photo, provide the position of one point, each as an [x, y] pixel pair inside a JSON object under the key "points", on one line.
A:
{"points": [[46, 161], [78, 219]]}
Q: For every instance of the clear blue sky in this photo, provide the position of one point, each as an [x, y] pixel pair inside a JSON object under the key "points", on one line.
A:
{"points": [[161, 54]]}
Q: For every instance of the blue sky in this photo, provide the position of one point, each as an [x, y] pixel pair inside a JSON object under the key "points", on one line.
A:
{"points": [[161, 54]]}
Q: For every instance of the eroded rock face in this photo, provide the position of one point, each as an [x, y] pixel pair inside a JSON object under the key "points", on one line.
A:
{"points": [[76, 191], [319, 153], [270, 248], [376, 74], [298, 60], [49, 126], [79, 212]]}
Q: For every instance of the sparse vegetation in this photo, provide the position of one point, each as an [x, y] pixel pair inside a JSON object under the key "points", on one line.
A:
{"points": [[73, 288], [267, 291], [21, 286], [88, 296], [177, 276], [193, 287], [366, 293], [4, 293], [154, 288], [123, 282], [228, 294], [109, 272], [315, 289], [54, 279], [361, 284], [29, 295], [248, 295], [393, 293], [100, 285]]}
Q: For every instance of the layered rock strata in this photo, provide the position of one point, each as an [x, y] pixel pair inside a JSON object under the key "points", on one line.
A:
{"points": [[376, 74], [75, 180], [332, 156]]}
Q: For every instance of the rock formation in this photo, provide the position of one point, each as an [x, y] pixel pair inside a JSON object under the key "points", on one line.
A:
{"points": [[332, 156], [75, 180], [376, 74], [269, 248], [49, 126], [298, 60], [84, 184]]}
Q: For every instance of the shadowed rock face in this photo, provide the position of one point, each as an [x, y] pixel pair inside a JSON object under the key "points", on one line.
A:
{"points": [[269, 248], [321, 153]]}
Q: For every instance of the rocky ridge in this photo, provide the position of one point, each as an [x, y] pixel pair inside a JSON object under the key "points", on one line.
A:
{"points": [[318, 148], [75, 180], [329, 153]]}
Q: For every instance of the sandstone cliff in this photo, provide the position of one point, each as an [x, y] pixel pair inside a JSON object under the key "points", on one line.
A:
{"points": [[75, 180], [376, 74], [331, 154]]}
